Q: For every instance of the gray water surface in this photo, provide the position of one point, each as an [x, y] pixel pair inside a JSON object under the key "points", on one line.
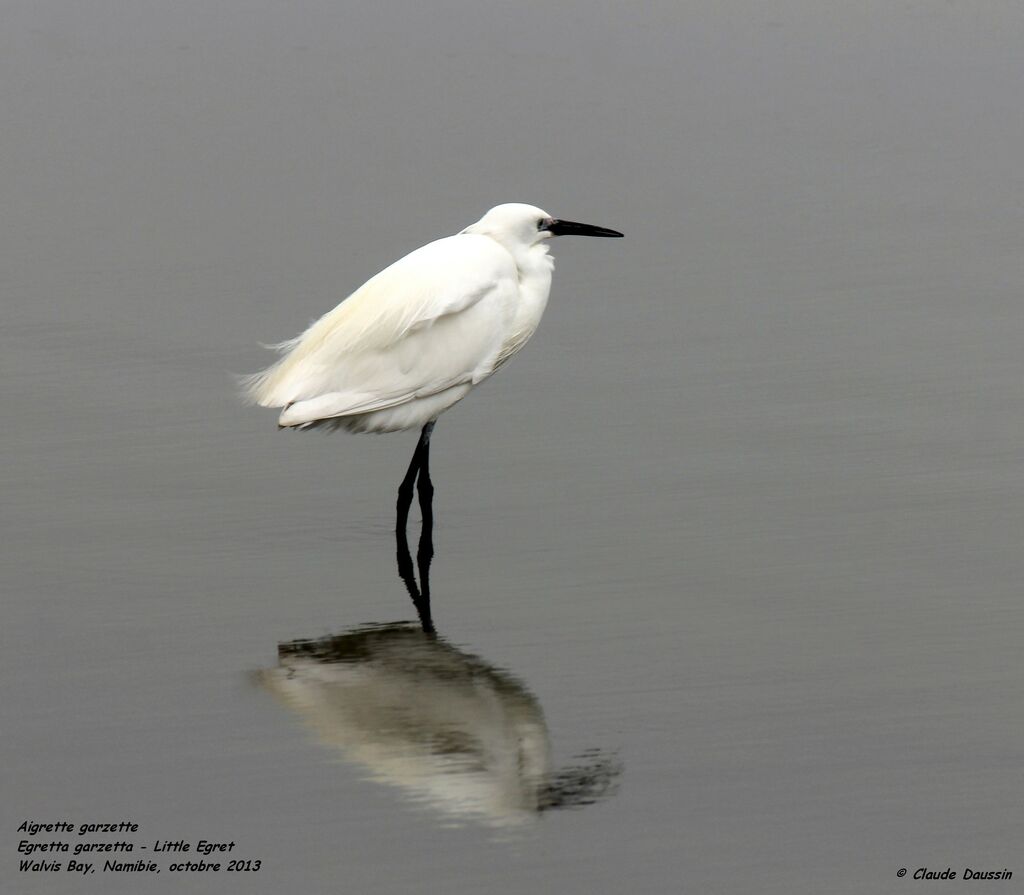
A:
{"points": [[729, 556]]}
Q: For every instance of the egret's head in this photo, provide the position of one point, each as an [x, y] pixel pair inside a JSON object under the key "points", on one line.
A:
{"points": [[515, 224]]}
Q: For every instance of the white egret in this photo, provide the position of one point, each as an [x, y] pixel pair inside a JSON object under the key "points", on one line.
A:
{"points": [[414, 339]]}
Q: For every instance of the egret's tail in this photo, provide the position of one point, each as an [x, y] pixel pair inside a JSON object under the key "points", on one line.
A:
{"points": [[266, 388]]}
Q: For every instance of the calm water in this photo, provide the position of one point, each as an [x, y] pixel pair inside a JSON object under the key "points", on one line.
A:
{"points": [[728, 564]]}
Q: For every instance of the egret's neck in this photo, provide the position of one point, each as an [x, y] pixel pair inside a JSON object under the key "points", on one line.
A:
{"points": [[533, 260], [534, 265]]}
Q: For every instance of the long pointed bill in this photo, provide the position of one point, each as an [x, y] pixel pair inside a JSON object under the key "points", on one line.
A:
{"points": [[571, 228]]}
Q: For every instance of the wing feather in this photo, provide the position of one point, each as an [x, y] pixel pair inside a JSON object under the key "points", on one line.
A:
{"points": [[434, 319]]}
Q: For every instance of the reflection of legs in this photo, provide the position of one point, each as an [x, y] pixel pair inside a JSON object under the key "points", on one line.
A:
{"points": [[405, 571], [424, 554], [418, 474]]}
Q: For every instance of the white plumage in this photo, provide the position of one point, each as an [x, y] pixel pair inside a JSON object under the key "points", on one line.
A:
{"points": [[414, 339]]}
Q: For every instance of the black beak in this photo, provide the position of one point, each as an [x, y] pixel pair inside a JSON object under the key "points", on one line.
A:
{"points": [[571, 228]]}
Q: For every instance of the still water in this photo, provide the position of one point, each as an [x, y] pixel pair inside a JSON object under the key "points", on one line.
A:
{"points": [[726, 578]]}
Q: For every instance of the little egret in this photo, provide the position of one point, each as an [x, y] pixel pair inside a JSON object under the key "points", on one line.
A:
{"points": [[414, 339]]}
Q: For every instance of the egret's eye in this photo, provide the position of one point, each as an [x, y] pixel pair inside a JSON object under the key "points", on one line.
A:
{"points": [[541, 223]]}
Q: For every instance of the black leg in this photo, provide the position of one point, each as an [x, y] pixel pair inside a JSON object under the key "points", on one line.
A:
{"points": [[424, 485], [406, 488]]}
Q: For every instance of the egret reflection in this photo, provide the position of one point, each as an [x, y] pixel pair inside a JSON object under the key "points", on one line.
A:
{"points": [[445, 726]]}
